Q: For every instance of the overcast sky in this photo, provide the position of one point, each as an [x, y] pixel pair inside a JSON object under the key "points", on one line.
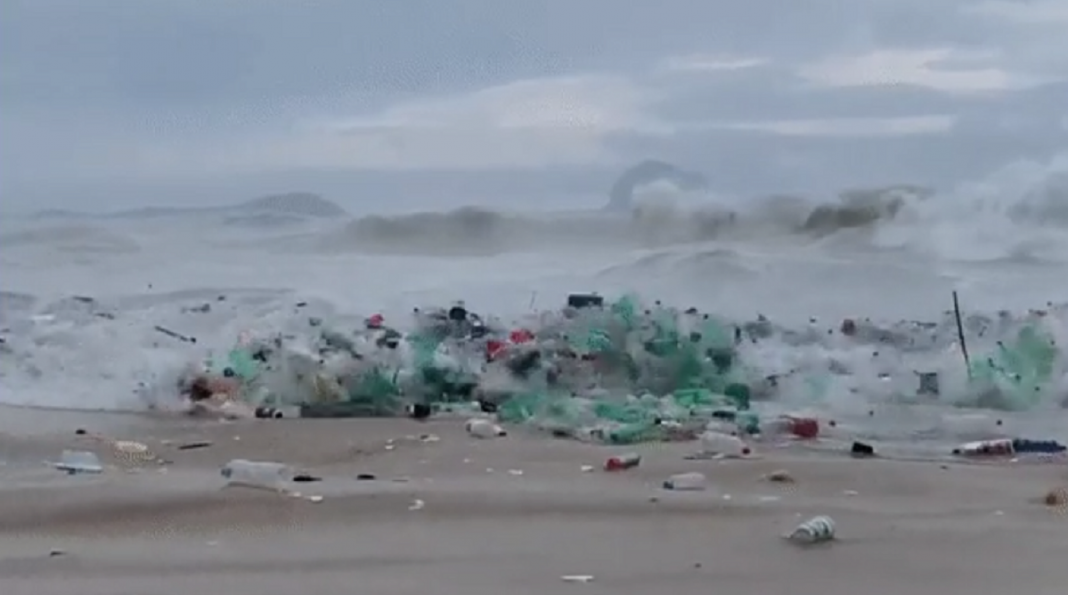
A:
{"points": [[117, 102]]}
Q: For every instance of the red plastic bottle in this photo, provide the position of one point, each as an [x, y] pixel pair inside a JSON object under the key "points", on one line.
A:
{"points": [[622, 462]]}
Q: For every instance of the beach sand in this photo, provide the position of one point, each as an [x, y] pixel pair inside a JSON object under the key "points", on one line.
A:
{"points": [[486, 528]]}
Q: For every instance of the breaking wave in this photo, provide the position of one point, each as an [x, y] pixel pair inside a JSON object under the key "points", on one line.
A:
{"points": [[1011, 216], [1016, 214]]}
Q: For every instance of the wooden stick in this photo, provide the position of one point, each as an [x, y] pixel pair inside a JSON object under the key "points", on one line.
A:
{"points": [[960, 335]]}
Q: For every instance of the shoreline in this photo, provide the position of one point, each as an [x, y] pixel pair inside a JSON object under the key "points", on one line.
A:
{"points": [[513, 514]]}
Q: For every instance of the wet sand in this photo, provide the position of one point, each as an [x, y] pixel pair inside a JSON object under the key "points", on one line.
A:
{"points": [[486, 528]]}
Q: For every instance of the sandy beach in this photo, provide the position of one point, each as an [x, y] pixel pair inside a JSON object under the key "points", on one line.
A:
{"points": [[512, 515]]}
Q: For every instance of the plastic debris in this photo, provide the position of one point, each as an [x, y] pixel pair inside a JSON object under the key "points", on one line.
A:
{"points": [[257, 474], [195, 445], [862, 450], [623, 461], [79, 461], [686, 482], [622, 371], [484, 428], [718, 443], [780, 476], [1057, 497], [1009, 447], [818, 529]]}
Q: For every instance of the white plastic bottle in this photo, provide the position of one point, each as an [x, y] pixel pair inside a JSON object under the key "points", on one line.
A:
{"points": [[986, 448], [257, 474], [718, 443], [686, 482], [483, 428]]}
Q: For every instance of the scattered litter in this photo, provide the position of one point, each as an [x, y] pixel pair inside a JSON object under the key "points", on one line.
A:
{"points": [[805, 428], [619, 371], [268, 413], [689, 482], [257, 474], [1057, 497], [417, 505], [725, 445], [780, 476], [195, 445], [1007, 447], [130, 447], [79, 461], [861, 450], [985, 448], [818, 529], [484, 428], [175, 335], [623, 461]]}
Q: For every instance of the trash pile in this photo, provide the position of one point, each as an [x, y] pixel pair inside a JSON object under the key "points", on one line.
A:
{"points": [[621, 372]]}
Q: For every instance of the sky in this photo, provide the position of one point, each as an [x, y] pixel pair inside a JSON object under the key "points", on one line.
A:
{"points": [[116, 103]]}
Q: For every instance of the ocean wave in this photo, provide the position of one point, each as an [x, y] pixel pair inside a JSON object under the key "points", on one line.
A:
{"points": [[71, 238], [1017, 213], [649, 224]]}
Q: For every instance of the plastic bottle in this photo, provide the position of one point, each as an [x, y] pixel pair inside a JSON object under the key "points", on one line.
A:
{"points": [[986, 448], [718, 443], [787, 425], [257, 474], [622, 462], [815, 530], [686, 482], [483, 428], [79, 461]]}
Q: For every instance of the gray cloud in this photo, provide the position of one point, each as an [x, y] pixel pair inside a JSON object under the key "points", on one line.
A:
{"points": [[120, 101]]}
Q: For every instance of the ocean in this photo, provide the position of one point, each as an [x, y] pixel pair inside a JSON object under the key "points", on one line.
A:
{"points": [[82, 294]]}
